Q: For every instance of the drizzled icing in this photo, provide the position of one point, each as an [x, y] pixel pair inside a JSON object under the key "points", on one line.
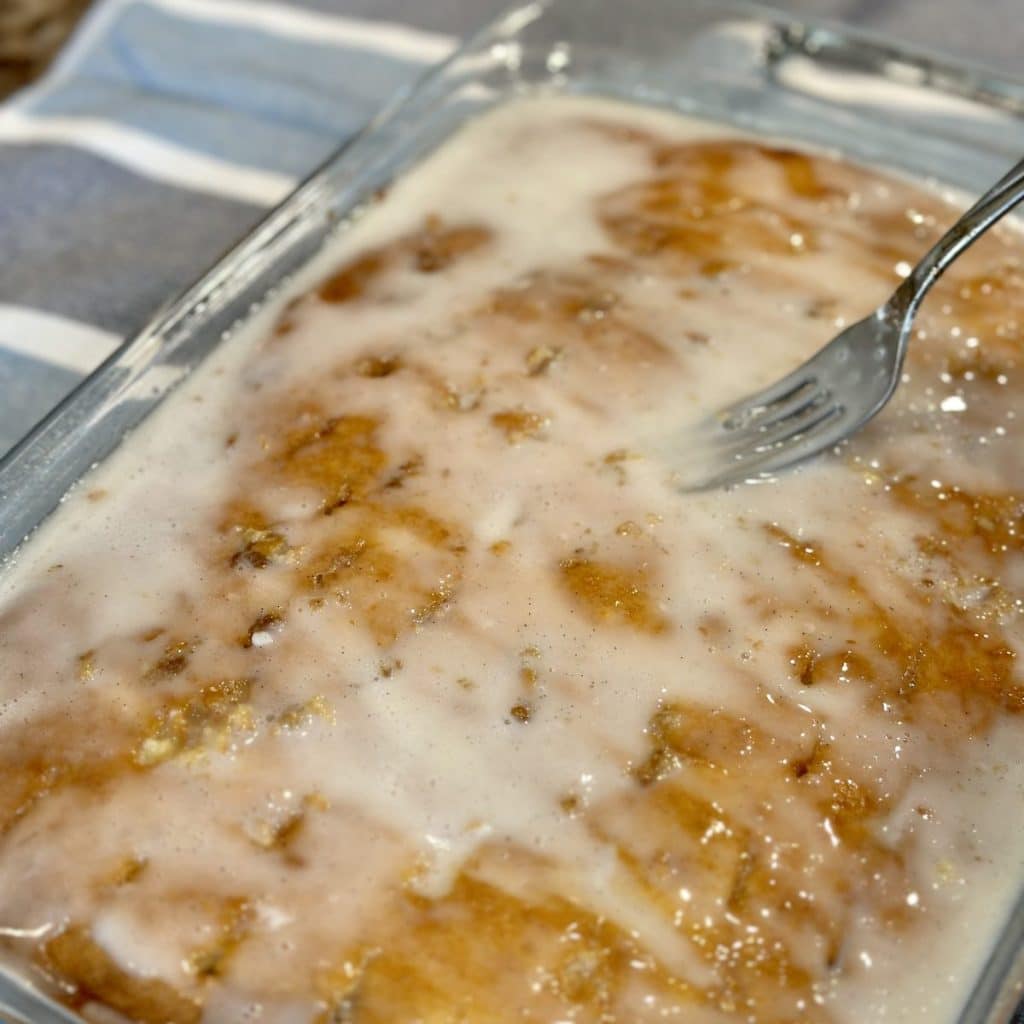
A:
{"points": [[382, 675]]}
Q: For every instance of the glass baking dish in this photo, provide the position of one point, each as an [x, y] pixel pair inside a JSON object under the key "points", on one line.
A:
{"points": [[752, 68]]}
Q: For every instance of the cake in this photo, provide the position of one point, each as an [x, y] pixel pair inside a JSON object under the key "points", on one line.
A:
{"points": [[386, 674]]}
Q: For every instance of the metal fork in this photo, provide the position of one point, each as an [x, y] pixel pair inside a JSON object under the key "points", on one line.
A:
{"points": [[842, 387]]}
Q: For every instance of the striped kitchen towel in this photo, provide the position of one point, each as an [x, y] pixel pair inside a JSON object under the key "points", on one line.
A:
{"points": [[163, 132], [168, 127]]}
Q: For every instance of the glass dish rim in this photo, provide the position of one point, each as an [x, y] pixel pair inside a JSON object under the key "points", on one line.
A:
{"points": [[949, 75], [971, 79]]}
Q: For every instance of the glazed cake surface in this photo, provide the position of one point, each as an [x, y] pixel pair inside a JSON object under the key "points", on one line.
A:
{"points": [[384, 675]]}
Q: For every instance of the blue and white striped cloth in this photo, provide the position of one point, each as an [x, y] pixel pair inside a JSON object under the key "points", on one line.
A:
{"points": [[167, 127]]}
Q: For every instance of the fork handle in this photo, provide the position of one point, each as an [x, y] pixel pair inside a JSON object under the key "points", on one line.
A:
{"points": [[999, 200]]}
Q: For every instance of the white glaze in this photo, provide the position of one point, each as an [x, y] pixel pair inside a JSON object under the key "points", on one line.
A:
{"points": [[412, 767]]}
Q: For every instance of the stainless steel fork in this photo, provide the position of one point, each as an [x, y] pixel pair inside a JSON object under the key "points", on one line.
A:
{"points": [[842, 387]]}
